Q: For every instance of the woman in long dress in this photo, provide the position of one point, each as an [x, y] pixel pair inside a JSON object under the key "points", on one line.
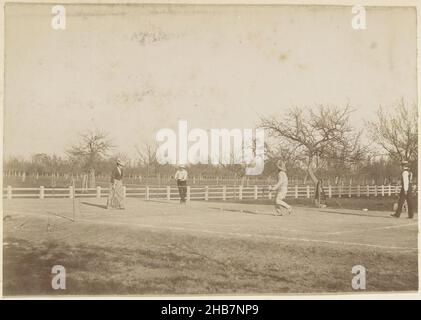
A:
{"points": [[116, 193]]}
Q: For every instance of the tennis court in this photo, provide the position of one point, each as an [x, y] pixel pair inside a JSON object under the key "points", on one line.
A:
{"points": [[162, 247]]}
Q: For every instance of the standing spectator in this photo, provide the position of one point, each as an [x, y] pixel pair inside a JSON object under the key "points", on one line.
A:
{"points": [[405, 194], [181, 178], [319, 194], [116, 193]]}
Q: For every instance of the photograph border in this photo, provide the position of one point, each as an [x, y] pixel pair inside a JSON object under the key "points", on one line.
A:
{"points": [[334, 296]]}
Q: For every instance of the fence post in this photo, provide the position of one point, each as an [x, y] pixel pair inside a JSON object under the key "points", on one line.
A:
{"points": [[368, 191], [339, 191], [71, 194], [255, 192], [330, 191], [375, 190], [98, 191], [188, 193], [41, 192], [270, 193], [240, 192], [296, 192], [206, 193], [224, 193], [390, 190], [147, 192], [168, 193], [350, 191], [358, 191], [9, 192], [382, 190], [124, 191], [308, 191]]}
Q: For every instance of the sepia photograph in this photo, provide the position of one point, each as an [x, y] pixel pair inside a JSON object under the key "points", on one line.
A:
{"points": [[155, 150]]}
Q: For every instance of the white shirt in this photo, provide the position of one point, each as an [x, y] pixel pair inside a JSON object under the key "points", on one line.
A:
{"points": [[406, 178], [181, 175], [282, 184]]}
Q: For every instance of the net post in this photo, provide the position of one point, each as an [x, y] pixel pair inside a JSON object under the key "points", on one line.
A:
{"points": [[73, 195], [9, 192], [147, 192], [168, 193]]}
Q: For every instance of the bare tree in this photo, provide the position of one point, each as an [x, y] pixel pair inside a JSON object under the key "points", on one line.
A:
{"points": [[315, 136], [147, 157], [397, 132], [92, 148]]}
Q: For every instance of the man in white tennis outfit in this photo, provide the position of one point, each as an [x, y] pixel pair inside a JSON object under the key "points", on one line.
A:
{"points": [[281, 189]]}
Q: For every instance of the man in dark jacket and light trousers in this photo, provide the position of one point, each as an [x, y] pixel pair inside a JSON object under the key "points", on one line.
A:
{"points": [[405, 194]]}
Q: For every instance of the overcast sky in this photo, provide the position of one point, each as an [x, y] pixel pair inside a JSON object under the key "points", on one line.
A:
{"points": [[131, 70]]}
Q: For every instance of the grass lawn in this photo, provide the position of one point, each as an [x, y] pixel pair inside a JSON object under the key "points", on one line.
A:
{"points": [[157, 249]]}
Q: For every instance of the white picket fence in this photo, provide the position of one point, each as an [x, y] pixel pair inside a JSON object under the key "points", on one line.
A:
{"points": [[215, 192]]}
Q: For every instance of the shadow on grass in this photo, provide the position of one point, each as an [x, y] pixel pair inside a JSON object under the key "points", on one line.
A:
{"points": [[102, 206], [357, 214], [257, 212], [379, 203]]}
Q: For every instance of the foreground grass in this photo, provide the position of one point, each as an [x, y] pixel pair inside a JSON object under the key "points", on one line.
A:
{"points": [[104, 260]]}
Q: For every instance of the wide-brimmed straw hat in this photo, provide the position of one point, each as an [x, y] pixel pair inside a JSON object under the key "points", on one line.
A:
{"points": [[182, 166], [281, 165], [120, 163]]}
